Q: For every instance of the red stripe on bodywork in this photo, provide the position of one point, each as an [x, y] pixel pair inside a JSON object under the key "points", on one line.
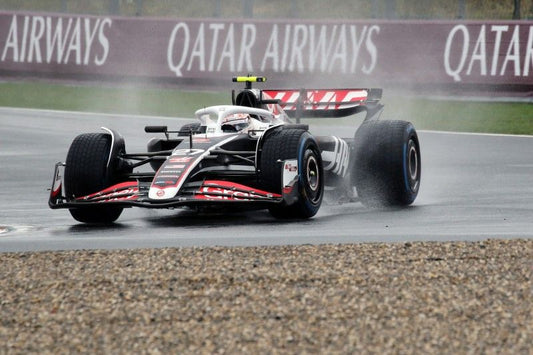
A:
{"points": [[57, 191], [123, 191], [227, 190]]}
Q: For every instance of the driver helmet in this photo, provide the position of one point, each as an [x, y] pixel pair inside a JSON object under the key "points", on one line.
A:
{"points": [[238, 121]]}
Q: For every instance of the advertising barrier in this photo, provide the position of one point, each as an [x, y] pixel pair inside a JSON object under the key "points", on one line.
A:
{"points": [[451, 54]]}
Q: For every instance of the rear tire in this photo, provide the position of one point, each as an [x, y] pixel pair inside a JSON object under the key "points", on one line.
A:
{"points": [[86, 172], [387, 166], [293, 144]]}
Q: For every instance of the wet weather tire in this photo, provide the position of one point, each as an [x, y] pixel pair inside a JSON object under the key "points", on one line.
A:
{"points": [[86, 172], [387, 167], [300, 145]]}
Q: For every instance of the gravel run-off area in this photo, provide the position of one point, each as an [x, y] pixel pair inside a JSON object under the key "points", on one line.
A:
{"points": [[420, 297]]}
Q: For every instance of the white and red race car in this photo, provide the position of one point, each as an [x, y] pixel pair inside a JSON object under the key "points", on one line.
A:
{"points": [[247, 155]]}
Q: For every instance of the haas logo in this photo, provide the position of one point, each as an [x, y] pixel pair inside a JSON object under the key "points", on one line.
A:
{"points": [[337, 160]]}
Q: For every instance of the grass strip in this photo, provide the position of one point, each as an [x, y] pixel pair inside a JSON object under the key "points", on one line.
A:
{"points": [[432, 114], [108, 99]]}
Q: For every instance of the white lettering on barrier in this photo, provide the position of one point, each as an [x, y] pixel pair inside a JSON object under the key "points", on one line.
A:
{"points": [[271, 50], [216, 27], [176, 67], [466, 38], [372, 50], [73, 43], [286, 46], [249, 34], [479, 54], [497, 42], [228, 50], [356, 44], [198, 50], [289, 48], [513, 53], [479, 58], [299, 40], [319, 48], [529, 53], [37, 31], [104, 42], [338, 59], [232, 55]]}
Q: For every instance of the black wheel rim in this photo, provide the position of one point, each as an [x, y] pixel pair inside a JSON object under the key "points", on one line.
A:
{"points": [[312, 177]]}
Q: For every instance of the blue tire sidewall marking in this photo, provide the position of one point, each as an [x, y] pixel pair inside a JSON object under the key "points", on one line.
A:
{"points": [[301, 151], [405, 167]]}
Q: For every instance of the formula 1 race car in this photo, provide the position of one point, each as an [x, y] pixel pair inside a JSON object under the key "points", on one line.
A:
{"points": [[253, 154]]}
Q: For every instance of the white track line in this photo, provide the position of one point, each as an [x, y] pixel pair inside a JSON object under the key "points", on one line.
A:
{"points": [[83, 113], [477, 134], [504, 99]]}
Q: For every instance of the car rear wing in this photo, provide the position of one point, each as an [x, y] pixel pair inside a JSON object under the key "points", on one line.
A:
{"points": [[313, 103], [309, 103]]}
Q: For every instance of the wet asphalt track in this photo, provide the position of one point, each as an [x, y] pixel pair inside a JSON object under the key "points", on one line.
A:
{"points": [[473, 187]]}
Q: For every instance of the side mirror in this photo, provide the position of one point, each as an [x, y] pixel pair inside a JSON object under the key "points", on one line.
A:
{"points": [[156, 129]]}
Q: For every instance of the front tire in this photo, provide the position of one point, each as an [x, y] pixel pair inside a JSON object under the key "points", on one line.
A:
{"points": [[387, 168], [86, 172], [293, 144]]}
